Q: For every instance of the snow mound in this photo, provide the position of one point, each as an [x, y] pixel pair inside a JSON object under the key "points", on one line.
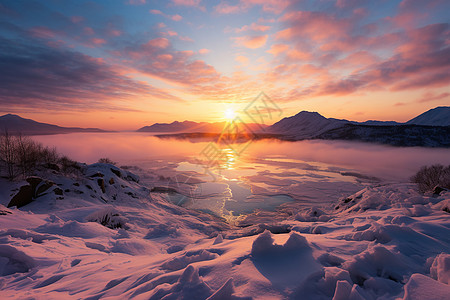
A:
{"points": [[76, 229], [189, 286], [440, 270], [14, 261], [264, 245], [421, 287]]}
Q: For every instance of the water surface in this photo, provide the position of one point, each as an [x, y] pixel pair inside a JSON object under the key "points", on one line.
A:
{"points": [[264, 175]]}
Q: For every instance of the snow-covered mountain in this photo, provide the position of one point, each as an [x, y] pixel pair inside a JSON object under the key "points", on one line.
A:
{"points": [[15, 124], [312, 125], [439, 116], [305, 125]]}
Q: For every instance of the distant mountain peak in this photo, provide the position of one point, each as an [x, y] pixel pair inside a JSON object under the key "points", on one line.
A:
{"points": [[15, 124], [438, 116]]}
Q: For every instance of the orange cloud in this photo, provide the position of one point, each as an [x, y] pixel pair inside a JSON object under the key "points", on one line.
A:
{"points": [[252, 42]]}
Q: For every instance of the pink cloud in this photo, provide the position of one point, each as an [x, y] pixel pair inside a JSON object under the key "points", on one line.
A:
{"points": [[137, 2], [172, 17], [98, 41], [114, 32], [76, 19], [161, 43], [42, 32], [88, 31], [272, 6], [252, 42], [429, 96], [253, 27], [176, 18], [203, 51], [276, 49], [316, 26], [243, 60], [189, 3], [156, 12], [225, 8]]}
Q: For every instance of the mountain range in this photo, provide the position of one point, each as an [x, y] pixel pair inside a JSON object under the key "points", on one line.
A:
{"points": [[430, 129], [15, 124], [190, 127]]}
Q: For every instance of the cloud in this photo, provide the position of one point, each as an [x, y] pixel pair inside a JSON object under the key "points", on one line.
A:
{"points": [[192, 3], [252, 42], [204, 51], [272, 6], [55, 79], [77, 19], [253, 27], [243, 60], [42, 32], [181, 69], [161, 43], [429, 96], [172, 17], [137, 2]]}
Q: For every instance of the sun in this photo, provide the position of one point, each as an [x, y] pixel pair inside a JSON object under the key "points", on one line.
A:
{"points": [[230, 114]]}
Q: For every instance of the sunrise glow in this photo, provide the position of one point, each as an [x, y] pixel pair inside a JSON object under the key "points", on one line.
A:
{"points": [[230, 115], [131, 63]]}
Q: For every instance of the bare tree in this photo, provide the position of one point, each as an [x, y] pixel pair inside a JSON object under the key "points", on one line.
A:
{"points": [[8, 153]]}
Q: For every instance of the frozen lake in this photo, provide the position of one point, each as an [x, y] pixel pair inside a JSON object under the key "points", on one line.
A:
{"points": [[243, 178]]}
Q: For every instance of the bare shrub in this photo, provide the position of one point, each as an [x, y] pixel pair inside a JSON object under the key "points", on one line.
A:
{"points": [[21, 155], [108, 217], [106, 160], [68, 165], [428, 177]]}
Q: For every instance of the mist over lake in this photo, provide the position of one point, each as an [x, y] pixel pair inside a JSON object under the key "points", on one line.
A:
{"points": [[386, 162]]}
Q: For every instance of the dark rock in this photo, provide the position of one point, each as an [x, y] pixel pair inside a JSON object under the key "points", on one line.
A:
{"points": [[76, 184], [5, 212], [438, 190], [98, 174], [23, 197], [111, 181], [162, 189], [117, 172], [58, 191], [101, 184], [42, 188], [34, 182]]}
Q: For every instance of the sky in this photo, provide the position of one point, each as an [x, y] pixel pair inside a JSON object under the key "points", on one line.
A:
{"points": [[124, 64]]}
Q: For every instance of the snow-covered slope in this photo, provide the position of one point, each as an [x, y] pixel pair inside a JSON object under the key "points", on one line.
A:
{"points": [[106, 237], [305, 125], [16, 124], [439, 116]]}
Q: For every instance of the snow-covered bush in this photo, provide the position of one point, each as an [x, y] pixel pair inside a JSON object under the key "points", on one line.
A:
{"points": [[427, 178]]}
